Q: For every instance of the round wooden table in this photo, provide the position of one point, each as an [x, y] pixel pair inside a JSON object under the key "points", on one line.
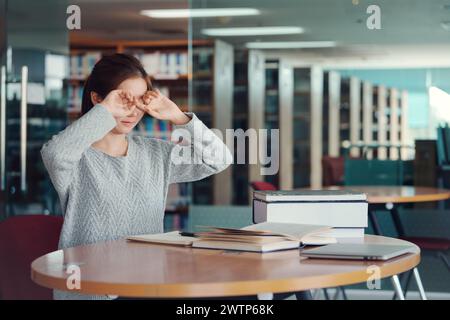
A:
{"points": [[390, 197], [147, 270], [398, 194]]}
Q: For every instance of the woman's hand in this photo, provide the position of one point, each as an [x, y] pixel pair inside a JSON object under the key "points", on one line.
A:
{"points": [[120, 103], [160, 107]]}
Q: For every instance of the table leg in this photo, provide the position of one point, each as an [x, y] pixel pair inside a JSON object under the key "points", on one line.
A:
{"points": [[397, 222], [325, 293], [374, 221], [397, 287], [265, 296], [401, 232], [419, 284], [304, 295]]}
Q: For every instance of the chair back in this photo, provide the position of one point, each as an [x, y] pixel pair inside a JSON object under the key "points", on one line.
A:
{"points": [[22, 240], [262, 186]]}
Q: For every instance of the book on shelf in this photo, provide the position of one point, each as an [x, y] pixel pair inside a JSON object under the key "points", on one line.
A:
{"points": [[154, 128], [82, 64], [343, 210], [164, 64], [74, 96], [262, 237]]}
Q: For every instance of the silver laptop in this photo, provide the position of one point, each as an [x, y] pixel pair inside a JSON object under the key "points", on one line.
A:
{"points": [[358, 251]]}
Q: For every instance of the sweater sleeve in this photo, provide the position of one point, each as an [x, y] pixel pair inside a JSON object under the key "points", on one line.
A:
{"points": [[198, 154], [63, 152]]}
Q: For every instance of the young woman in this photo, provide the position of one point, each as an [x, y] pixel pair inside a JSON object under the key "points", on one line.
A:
{"points": [[112, 184]]}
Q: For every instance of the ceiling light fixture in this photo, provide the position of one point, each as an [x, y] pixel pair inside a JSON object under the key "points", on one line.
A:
{"points": [[290, 44], [251, 31], [199, 13]]}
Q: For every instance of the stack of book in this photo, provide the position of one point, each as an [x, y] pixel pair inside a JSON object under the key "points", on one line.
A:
{"points": [[345, 211], [262, 237]]}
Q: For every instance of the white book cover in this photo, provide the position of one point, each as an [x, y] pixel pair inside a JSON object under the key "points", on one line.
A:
{"points": [[335, 214], [309, 195]]}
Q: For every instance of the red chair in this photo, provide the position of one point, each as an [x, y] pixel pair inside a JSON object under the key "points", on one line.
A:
{"points": [[22, 240], [263, 186], [333, 171]]}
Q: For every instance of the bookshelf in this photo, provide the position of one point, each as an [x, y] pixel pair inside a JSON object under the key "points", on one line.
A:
{"points": [[344, 110], [405, 139], [286, 138], [394, 125], [248, 112], [212, 95], [240, 176], [279, 99], [355, 115], [271, 108], [382, 133], [256, 105], [367, 116], [308, 115], [333, 97], [302, 127]]}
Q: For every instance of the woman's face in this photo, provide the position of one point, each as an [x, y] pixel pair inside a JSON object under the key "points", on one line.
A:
{"points": [[137, 87]]}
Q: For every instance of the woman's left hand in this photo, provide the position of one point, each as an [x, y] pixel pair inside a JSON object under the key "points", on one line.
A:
{"points": [[160, 107]]}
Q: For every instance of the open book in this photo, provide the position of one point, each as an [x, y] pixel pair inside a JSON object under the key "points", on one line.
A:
{"points": [[261, 237]]}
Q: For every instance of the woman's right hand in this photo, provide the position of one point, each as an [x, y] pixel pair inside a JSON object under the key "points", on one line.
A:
{"points": [[120, 103]]}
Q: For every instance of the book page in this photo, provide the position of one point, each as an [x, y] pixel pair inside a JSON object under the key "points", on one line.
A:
{"points": [[173, 237], [295, 230]]}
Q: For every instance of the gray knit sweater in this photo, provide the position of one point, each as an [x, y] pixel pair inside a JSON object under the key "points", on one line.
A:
{"points": [[107, 198]]}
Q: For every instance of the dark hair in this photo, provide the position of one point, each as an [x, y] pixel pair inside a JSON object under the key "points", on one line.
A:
{"points": [[107, 75]]}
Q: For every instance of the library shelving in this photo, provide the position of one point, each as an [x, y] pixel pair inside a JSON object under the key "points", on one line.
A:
{"points": [[355, 115], [308, 125], [344, 111], [302, 127], [212, 95], [382, 133], [384, 122], [405, 139], [272, 109], [334, 97], [256, 107], [248, 113], [371, 118], [278, 115], [367, 115], [241, 178]]}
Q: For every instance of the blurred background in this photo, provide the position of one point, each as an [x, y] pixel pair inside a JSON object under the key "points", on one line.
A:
{"points": [[340, 79]]}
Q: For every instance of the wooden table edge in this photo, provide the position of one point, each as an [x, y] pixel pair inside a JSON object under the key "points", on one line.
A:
{"points": [[408, 199], [224, 289]]}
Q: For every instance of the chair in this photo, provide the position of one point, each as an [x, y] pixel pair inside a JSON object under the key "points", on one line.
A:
{"points": [[376, 172], [22, 240], [435, 246], [333, 170], [262, 186]]}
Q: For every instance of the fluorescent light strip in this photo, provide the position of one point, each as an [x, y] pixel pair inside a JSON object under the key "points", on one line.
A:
{"points": [[252, 31], [290, 44], [199, 13]]}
